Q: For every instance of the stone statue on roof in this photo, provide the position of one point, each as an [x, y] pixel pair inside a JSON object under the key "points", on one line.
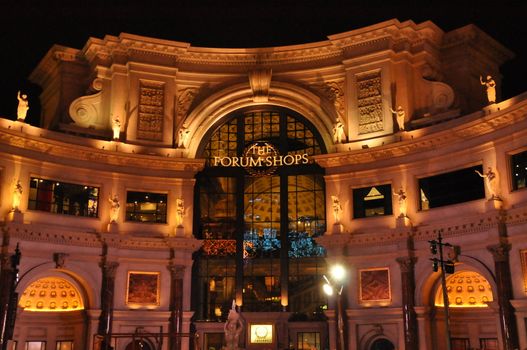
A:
{"points": [[490, 85]]}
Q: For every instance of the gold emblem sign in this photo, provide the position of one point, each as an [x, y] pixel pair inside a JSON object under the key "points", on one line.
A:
{"points": [[260, 159]]}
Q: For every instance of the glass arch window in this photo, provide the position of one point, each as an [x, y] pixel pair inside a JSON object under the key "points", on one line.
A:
{"points": [[260, 202]]}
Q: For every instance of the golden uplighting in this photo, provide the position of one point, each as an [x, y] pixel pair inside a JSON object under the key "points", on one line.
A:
{"points": [[466, 289], [51, 294]]}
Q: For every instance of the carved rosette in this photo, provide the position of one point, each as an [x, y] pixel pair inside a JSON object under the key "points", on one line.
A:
{"points": [[369, 102], [151, 110]]}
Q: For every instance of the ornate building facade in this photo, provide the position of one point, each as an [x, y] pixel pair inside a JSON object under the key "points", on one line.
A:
{"points": [[168, 184]]}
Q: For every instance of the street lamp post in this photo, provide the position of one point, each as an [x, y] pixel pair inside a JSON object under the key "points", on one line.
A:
{"points": [[447, 266], [334, 284]]}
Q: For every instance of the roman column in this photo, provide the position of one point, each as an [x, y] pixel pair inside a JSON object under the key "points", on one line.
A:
{"points": [[411, 339]]}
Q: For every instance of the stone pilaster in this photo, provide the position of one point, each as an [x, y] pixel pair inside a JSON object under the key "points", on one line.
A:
{"points": [[6, 280], [108, 269], [411, 335], [509, 331], [177, 273]]}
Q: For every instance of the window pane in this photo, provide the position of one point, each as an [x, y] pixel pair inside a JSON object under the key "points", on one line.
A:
{"points": [[35, 345], [63, 198], [308, 341], [146, 207], [372, 201], [64, 345], [451, 188], [238, 208], [519, 170]]}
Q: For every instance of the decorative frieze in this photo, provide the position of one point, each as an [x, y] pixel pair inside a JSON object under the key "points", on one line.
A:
{"points": [[151, 110], [369, 102]]}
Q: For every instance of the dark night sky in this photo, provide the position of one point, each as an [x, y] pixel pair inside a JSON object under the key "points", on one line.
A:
{"points": [[29, 28]]}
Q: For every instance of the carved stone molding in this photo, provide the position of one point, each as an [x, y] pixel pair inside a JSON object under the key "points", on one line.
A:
{"points": [[333, 91], [184, 100], [109, 268], [369, 102], [406, 263], [151, 110], [500, 251], [86, 112], [93, 155], [260, 81], [449, 136], [177, 271]]}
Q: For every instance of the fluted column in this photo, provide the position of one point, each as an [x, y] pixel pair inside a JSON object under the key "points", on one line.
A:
{"points": [[411, 337], [108, 269], [509, 330], [176, 305]]}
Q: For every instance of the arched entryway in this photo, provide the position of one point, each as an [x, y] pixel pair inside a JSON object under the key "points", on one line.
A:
{"points": [[473, 324], [51, 314], [259, 204], [382, 344]]}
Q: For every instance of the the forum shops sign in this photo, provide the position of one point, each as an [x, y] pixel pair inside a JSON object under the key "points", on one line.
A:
{"points": [[261, 158]]}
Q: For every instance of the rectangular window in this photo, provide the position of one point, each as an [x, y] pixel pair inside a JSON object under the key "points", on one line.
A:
{"points": [[372, 201], [146, 207], [63, 198], [519, 170], [308, 341], [35, 345], [460, 344], [214, 341], [451, 188], [488, 343], [65, 345]]}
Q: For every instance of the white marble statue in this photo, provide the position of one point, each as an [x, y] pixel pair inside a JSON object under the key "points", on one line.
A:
{"points": [[17, 196], [337, 209], [183, 137], [23, 106], [116, 128], [339, 136], [490, 85], [400, 116], [180, 212], [401, 199], [115, 207], [491, 182], [233, 329]]}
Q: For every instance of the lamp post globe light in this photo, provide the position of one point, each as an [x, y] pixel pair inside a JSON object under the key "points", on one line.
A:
{"points": [[335, 284]]}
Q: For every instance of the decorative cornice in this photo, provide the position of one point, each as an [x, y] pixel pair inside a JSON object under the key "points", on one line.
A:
{"points": [[458, 133], [391, 32], [96, 240], [91, 155]]}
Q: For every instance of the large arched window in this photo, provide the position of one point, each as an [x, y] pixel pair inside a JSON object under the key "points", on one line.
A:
{"points": [[260, 201]]}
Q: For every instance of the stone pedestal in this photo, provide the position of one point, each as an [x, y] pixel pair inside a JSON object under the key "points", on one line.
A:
{"points": [[402, 221], [495, 203], [15, 216], [338, 228], [179, 231], [112, 227]]}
